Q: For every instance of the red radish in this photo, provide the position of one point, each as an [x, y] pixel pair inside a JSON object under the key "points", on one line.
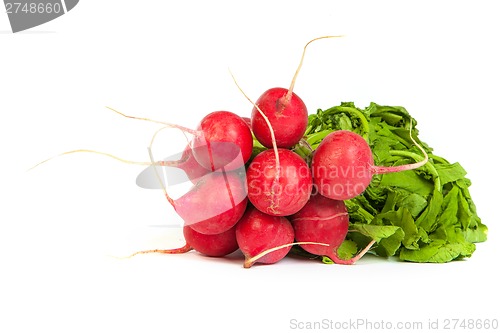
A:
{"points": [[257, 232], [326, 221], [214, 204], [322, 220], [279, 191], [226, 141], [288, 117], [343, 166], [286, 112], [217, 245]]}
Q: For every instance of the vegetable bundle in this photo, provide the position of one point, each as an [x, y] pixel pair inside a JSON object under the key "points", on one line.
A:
{"points": [[272, 202], [332, 185]]}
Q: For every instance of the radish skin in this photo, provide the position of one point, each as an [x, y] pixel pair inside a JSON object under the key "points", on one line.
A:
{"points": [[321, 220], [214, 204], [257, 232], [218, 245], [343, 166], [280, 192], [324, 220], [226, 141], [289, 120]]}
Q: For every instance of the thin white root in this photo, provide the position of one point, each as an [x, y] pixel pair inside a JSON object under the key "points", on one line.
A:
{"points": [[182, 128], [326, 218], [166, 125], [250, 261], [292, 85], [157, 174], [271, 130], [184, 249], [93, 152]]}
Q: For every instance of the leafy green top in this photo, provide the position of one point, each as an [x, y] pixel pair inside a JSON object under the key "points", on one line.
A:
{"points": [[421, 215]]}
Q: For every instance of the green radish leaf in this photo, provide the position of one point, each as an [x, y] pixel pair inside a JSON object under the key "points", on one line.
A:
{"points": [[438, 251], [388, 237], [347, 249], [422, 215], [376, 232]]}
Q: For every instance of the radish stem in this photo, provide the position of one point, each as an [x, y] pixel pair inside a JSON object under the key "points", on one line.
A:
{"points": [[351, 261], [388, 169]]}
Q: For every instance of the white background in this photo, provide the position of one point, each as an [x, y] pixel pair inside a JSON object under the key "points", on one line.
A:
{"points": [[61, 223]]}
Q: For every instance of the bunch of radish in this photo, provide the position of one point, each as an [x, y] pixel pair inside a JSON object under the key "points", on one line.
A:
{"points": [[265, 204]]}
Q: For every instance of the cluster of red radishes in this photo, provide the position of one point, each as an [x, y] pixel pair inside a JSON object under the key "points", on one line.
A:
{"points": [[266, 204]]}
